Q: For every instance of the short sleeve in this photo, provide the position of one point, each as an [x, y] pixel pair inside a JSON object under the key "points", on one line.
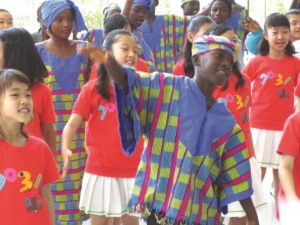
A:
{"points": [[48, 114], [249, 71], [290, 141], [235, 180], [82, 104], [51, 173]]}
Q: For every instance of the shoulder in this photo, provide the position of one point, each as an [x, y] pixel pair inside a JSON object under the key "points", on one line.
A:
{"points": [[39, 86], [37, 143]]}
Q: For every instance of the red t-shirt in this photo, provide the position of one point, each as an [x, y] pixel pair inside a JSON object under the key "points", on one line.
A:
{"points": [[140, 66], [179, 68], [105, 157], [238, 102], [23, 172], [43, 109], [273, 87], [290, 145]]}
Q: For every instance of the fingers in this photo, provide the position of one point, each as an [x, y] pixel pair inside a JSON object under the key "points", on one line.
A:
{"points": [[66, 161]]}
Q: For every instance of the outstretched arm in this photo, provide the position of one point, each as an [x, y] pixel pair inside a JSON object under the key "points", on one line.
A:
{"points": [[102, 56], [249, 209], [127, 7]]}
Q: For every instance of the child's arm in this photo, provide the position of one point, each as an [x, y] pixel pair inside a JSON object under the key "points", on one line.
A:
{"points": [[286, 177], [113, 68], [67, 137], [127, 7], [49, 135], [48, 199], [249, 209]]}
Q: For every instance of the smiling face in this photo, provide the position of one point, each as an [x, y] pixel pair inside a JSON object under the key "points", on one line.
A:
{"points": [[213, 67], [6, 20], [278, 38], [62, 25], [294, 20], [126, 50], [191, 8], [16, 103]]}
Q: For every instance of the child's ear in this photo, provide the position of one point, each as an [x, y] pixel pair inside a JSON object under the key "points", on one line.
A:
{"points": [[196, 60], [266, 35]]}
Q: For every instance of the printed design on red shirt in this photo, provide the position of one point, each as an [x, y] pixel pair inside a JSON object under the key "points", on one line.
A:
{"points": [[108, 107], [279, 81], [239, 103], [10, 175]]}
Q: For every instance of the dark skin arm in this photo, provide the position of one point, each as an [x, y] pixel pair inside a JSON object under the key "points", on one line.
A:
{"points": [[249, 209], [127, 7]]}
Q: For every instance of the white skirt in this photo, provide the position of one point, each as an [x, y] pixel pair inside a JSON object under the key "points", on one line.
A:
{"points": [[265, 143], [258, 198], [105, 196]]}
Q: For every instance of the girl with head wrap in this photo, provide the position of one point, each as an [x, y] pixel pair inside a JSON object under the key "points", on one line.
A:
{"points": [[66, 75], [136, 16], [195, 160]]}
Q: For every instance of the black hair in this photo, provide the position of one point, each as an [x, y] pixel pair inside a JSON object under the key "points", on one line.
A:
{"points": [[7, 76], [293, 12], [193, 27], [19, 52], [295, 4], [114, 22], [4, 10], [218, 30], [103, 78], [275, 20], [227, 2]]}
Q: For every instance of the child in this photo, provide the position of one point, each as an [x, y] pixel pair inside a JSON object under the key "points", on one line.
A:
{"points": [[274, 75], [236, 95], [138, 10], [191, 167], [19, 52], [27, 166], [114, 22], [190, 7], [66, 76], [197, 27], [289, 149], [6, 19], [109, 174]]}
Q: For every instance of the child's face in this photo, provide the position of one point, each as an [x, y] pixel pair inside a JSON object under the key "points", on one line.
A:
{"points": [[231, 36], [137, 15], [278, 38], [126, 50], [191, 8], [215, 66], [219, 12], [62, 25], [16, 103], [295, 26], [6, 20], [1, 55]]}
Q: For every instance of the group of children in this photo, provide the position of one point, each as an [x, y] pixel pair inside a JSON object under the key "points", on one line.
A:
{"points": [[193, 132]]}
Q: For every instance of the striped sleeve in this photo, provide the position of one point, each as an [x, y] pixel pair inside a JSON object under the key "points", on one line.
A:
{"points": [[235, 179], [137, 106]]}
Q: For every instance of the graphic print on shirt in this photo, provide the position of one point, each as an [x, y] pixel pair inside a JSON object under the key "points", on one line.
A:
{"points": [[23, 177], [108, 107], [239, 103], [279, 81]]}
